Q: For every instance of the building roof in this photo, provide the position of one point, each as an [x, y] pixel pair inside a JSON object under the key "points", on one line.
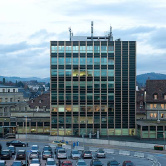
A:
{"points": [[40, 101], [5, 86], [155, 87]]}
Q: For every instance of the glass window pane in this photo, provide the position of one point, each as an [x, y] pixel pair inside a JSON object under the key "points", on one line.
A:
{"points": [[96, 61], [97, 73], [89, 61], [53, 61], [61, 61], [111, 73], [103, 73], [54, 72]]}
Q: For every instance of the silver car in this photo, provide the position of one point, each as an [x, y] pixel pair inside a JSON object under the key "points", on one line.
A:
{"points": [[100, 153], [87, 154], [50, 162], [61, 154], [75, 154], [34, 154]]}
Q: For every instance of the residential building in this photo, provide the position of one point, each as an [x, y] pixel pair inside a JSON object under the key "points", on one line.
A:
{"points": [[93, 86], [154, 126], [14, 109]]}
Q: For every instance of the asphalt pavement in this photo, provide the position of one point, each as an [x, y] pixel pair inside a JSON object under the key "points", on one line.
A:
{"points": [[120, 158]]}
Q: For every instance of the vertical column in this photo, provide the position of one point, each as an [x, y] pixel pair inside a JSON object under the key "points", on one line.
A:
{"points": [[57, 88]]}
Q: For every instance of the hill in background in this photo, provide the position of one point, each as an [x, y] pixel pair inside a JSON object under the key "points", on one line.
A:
{"points": [[141, 79]]}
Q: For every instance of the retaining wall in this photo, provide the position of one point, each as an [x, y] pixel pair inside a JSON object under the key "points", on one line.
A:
{"points": [[93, 141]]}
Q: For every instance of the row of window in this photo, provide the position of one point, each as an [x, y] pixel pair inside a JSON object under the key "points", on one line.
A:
{"points": [[157, 106], [155, 115], [81, 120], [82, 61], [69, 108], [9, 100], [8, 90], [82, 73], [155, 96], [82, 49]]}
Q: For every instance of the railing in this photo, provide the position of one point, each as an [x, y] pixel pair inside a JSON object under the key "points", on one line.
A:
{"points": [[10, 135]]}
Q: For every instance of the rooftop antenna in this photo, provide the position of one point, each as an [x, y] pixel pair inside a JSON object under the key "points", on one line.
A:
{"points": [[91, 30], [111, 36], [70, 32]]}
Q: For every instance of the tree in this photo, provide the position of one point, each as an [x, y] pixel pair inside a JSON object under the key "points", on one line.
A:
{"points": [[4, 81]]}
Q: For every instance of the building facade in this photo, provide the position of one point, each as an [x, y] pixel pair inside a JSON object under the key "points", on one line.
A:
{"points": [[14, 109], [93, 82], [154, 126]]}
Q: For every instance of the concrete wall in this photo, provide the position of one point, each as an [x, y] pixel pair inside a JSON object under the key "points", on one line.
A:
{"points": [[86, 140]]}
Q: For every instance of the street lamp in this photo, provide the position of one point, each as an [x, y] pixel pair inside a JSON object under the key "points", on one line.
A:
{"points": [[17, 131], [26, 140], [164, 139]]}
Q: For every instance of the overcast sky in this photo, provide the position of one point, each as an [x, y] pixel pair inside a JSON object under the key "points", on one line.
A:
{"points": [[27, 27]]}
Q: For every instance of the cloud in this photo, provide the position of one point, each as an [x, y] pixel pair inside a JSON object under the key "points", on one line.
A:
{"points": [[27, 27]]}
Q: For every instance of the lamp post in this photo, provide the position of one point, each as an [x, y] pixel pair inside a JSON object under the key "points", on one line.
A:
{"points": [[164, 139], [26, 140], [17, 131]]}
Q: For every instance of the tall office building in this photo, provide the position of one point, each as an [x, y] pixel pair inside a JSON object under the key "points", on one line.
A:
{"points": [[93, 82]]}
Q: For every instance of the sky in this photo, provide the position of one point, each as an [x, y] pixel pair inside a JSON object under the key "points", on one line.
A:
{"points": [[28, 26]]}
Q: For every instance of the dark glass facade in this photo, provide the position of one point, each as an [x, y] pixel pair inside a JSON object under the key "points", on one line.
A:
{"points": [[93, 87]]}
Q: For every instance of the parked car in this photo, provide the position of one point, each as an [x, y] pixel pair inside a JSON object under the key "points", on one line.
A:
{"points": [[56, 149], [35, 148], [75, 154], [87, 154], [46, 154], [47, 148], [33, 154], [100, 153], [66, 163], [21, 154], [2, 163], [50, 162], [127, 163], [95, 162], [34, 165], [35, 161], [18, 163], [81, 162], [6, 154], [61, 154], [12, 149], [112, 163], [16, 143]]}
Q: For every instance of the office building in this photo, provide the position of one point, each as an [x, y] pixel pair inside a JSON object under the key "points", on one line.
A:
{"points": [[93, 80]]}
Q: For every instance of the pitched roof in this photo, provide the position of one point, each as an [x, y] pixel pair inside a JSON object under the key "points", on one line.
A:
{"points": [[155, 87], [40, 101]]}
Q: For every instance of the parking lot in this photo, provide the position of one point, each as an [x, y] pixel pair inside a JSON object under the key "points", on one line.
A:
{"points": [[116, 156]]}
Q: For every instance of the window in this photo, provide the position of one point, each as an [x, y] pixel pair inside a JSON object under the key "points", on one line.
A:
{"points": [[8, 90], [53, 60], [3, 90], [0, 99], [155, 115], [6, 99], [151, 115], [11, 99], [162, 106], [155, 106], [162, 115], [14, 90], [155, 97], [164, 97]]}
